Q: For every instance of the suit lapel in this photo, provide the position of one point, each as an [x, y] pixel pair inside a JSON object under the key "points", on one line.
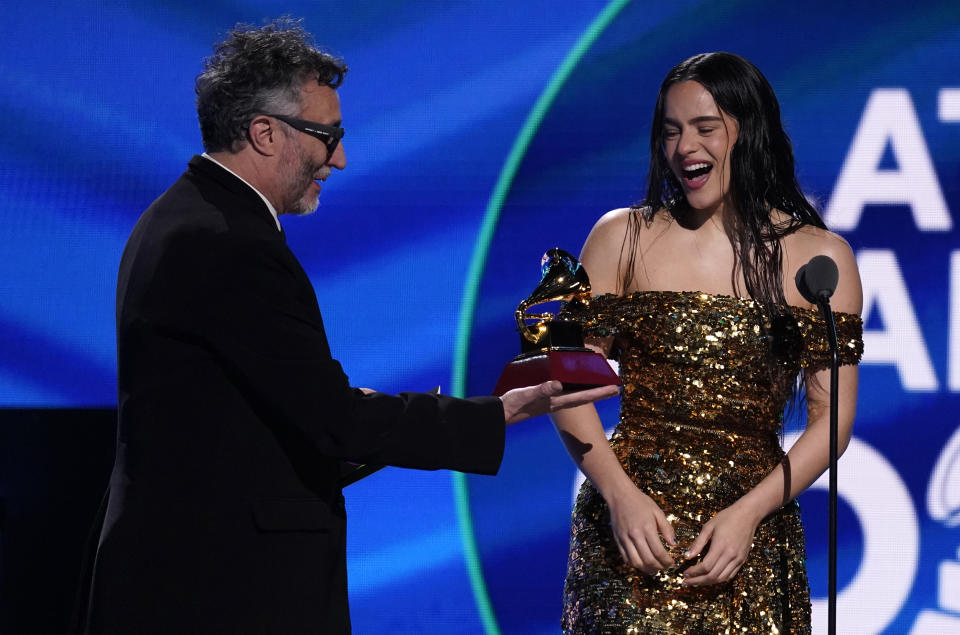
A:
{"points": [[232, 196]]}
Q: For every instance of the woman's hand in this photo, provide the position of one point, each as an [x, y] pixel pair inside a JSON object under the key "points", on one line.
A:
{"points": [[730, 534], [637, 524]]}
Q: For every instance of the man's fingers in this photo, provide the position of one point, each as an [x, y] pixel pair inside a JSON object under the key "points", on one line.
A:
{"points": [[550, 388], [581, 397], [531, 401]]}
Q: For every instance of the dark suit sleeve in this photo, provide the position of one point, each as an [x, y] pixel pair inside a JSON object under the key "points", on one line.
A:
{"points": [[248, 305]]}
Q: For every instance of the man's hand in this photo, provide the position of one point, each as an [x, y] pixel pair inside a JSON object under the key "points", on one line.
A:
{"points": [[532, 401]]}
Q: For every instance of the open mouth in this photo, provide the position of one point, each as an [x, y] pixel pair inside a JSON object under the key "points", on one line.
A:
{"points": [[695, 174]]}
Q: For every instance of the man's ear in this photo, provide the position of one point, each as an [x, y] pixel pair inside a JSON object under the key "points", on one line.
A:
{"points": [[265, 135]]}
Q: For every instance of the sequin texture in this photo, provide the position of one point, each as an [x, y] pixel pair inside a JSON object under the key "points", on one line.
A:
{"points": [[706, 378]]}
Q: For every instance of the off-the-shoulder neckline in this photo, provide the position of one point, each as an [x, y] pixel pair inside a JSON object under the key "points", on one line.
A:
{"points": [[705, 295]]}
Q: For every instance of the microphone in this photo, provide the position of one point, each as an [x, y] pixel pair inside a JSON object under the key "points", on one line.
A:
{"points": [[817, 280]]}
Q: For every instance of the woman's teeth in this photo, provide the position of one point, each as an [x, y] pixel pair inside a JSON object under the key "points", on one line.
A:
{"points": [[694, 170]]}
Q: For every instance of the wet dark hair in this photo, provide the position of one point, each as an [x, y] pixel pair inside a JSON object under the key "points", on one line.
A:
{"points": [[256, 71], [762, 169]]}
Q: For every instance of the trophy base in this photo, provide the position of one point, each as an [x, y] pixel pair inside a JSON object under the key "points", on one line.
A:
{"points": [[575, 368]]}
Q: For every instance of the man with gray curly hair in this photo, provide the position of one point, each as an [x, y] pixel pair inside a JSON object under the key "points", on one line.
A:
{"points": [[224, 512]]}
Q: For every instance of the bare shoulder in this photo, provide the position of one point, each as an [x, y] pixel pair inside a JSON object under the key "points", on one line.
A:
{"points": [[809, 241], [613, 224], [604, 248]]}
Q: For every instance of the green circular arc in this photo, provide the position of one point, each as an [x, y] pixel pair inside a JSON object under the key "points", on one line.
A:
{"points": [[472, 286]]}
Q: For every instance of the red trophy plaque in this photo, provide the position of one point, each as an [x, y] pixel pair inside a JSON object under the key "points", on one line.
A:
{"points": [[553, 348]]}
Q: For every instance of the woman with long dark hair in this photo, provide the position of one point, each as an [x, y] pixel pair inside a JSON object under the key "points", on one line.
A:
{"points": [[687, 521]]}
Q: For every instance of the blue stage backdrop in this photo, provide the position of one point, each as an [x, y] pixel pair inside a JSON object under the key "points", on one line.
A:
{"points": [[480, 134]]}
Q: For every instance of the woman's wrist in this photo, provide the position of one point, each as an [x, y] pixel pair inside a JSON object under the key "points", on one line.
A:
{"points": [[751, 507], [617, 489]]}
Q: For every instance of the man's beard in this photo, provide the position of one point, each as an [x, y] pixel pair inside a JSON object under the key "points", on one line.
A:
{"points": [[301, 173]]}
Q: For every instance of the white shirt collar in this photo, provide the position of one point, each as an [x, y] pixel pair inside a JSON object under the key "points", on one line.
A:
{"points": [[273, 212]]}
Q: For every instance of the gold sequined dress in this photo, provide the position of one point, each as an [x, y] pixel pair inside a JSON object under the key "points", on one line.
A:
{"points": [[706, 379]]}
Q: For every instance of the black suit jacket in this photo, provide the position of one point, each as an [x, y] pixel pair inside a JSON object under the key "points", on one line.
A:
{"points": [[224, 513]]}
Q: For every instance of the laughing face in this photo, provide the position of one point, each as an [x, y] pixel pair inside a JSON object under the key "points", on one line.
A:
{"points": [[697, 140]]}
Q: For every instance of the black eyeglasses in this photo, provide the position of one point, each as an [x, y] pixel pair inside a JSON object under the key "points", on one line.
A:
{"points": [[330, 135]]}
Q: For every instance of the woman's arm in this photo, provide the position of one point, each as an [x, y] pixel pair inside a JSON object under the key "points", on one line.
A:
{"points": [[731, 531], [636, 520]]}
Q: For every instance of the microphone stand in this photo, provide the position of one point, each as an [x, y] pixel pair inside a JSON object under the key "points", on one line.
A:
{"points": [[823, 302]]}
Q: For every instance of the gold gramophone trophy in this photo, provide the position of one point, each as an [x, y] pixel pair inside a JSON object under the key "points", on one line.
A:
{"points": [[553, 348]]}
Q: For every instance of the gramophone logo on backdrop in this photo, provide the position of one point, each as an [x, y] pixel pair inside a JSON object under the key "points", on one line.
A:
{"points": [[943, 504]]}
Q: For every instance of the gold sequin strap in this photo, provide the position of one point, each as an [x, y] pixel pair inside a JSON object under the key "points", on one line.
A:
{"points": [[816, 350]]}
